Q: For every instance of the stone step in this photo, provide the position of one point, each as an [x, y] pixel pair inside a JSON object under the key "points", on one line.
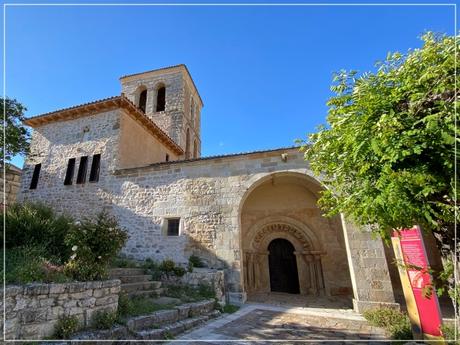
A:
{"points": [[136, 279], [162, 317], [174, 328], [146, 293], [118, 272], [146, 285]]}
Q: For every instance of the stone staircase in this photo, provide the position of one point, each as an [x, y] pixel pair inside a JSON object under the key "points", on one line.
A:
{"points": [[160, 325], [134, 282]]}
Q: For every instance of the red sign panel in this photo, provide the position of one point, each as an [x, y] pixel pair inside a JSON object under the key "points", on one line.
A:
{"points": [[416, 266]]}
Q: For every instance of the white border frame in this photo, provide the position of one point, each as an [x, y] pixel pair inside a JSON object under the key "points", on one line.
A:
{"points": [[5, 5]]}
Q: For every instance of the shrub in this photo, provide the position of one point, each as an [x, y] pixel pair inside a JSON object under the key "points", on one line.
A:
{"points": [[448, 332], [37, 225], [29, 264], [125, 305], [104, 319], [195, 261], [94, 244], [395, 322], [169, 268], [65, 327]]}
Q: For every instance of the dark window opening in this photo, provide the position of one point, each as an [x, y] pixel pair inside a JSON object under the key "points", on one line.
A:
{"points": [[143, 100], [173, 227], [81, 177], [35, 176], [69, 173], [161, 99], [95, 167], [167, 158]]}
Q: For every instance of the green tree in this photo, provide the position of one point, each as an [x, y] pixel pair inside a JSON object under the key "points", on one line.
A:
{"points": [[12, 133], [387, 154]]}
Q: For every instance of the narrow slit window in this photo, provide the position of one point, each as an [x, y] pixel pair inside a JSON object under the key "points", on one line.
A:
{"points": [[161, 98], [173, 227], [35, 176], [167, 158], [70, 171], [95, 167], [143, 100], [81, 177]]}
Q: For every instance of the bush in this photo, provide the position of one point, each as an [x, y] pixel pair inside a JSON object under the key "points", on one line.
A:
{"points": [[448, 332], [395, 322], [65, 327], [195, 261], [169, 268], [37, 225], [104, 319], [125, 305], [94, 244], [29, 264]]}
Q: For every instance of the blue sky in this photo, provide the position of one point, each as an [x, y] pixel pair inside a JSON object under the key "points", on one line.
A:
{"points": [[264, 73]]}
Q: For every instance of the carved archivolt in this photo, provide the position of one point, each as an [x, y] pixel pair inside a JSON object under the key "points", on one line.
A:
{"points": [[285, 229]]}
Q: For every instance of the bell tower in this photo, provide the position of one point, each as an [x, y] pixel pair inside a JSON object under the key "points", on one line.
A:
{"points": [[169, 97]]}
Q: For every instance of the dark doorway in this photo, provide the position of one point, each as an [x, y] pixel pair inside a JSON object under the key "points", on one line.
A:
{"points": [[283, 267]]}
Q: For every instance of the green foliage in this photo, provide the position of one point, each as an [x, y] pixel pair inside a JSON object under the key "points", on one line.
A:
{"points": [[94, 244], [125, 305], [138, 305], [14, 135], [448, 331], [29, 264], [387, 153], [66, 326], [104, 319], [230, 308], [196, 261], [119, 262], [168, 335], [35, 224], [170, 268], [396, 323], [187, 293]]}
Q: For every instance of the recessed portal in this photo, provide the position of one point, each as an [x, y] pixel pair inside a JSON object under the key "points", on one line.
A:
{"points": [[283, 267]]}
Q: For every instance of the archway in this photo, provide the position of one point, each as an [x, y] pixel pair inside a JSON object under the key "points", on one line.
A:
{"points": [[282, 207], [282, 266]]}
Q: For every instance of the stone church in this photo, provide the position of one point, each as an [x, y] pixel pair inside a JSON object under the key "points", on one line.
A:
{"points": [[254, 215]]}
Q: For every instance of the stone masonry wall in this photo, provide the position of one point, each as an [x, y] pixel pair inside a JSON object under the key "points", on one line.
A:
{"points": [[175, 119], [12, 184], [33, 310], [52, 145]]}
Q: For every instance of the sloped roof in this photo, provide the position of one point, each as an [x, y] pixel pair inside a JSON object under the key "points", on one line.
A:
{"points": [[103, 105]]}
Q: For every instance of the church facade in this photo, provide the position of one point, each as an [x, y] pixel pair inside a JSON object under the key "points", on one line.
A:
{"points": [[254, 215]]}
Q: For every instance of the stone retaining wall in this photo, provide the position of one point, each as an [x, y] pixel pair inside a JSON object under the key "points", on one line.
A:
{"points": [[33, 310], [206, 276]]}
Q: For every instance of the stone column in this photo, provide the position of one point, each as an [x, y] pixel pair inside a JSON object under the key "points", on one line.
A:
{"points": [[369, 272]]}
